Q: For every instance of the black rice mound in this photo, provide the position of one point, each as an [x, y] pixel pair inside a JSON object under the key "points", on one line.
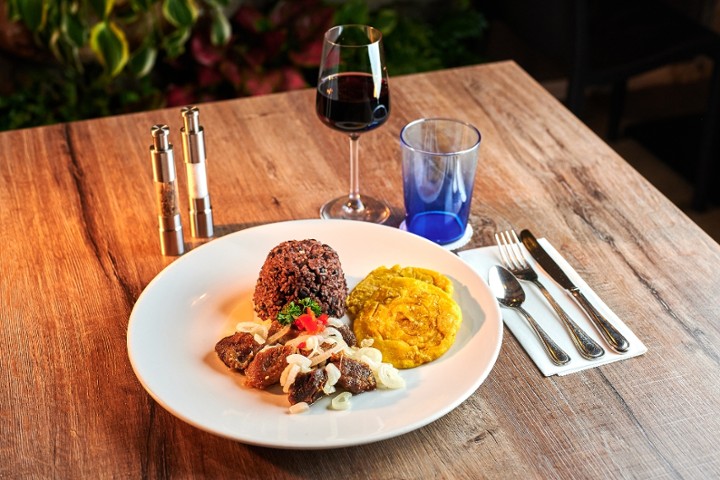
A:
{"points": [[298, 269]]}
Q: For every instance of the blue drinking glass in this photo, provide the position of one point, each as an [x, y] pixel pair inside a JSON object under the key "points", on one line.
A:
{"points": [[440, 157]]}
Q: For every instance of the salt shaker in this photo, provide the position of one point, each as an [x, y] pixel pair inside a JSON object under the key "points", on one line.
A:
{"points": [[193, 137], [166, 192]]}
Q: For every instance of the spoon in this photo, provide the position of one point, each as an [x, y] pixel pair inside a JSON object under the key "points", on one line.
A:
{"points": [[510, 294]]}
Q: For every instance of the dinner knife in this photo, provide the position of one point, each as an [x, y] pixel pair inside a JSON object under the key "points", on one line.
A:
{"points": [[613, 337]]}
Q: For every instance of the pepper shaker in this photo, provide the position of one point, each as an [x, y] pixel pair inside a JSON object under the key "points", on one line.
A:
{"points": [[172, 242], [193, 136]]}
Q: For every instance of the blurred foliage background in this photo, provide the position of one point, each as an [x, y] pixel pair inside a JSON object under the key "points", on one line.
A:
{"points": [[65, 60]]}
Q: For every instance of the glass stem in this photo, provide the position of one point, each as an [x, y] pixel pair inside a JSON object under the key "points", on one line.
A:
{"points": [[354, 202]]}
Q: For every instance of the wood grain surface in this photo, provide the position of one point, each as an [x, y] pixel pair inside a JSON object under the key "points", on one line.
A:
{"points": [[79, 245]]}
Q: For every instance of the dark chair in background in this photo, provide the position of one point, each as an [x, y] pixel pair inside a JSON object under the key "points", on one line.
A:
{"points": [[605, 42]]}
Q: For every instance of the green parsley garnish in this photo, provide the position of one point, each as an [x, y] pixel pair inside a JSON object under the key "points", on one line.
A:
{"points": [[293, 310]]}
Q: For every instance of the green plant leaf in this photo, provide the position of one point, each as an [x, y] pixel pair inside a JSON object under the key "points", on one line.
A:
{"points": [[141, 5], [13, 10], [143, 60], [353, 11], [54, 45], [386, 20], [33, 13], [74, 30], [181, 13], [108, 42], [220, 28], [102, 7], [65, 50], [174, 44]]}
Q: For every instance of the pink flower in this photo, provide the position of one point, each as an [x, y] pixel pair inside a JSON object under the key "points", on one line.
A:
{"points": [[261, 84], [293, 79], [232, 73], [249, 18], [204, 52], [208, 77], [309, 56]]}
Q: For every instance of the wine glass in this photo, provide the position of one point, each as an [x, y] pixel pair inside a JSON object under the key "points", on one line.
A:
{"points": [[353, 97]]}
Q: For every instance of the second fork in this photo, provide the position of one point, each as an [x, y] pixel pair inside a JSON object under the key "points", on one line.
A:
{"points": [[515, 261]]}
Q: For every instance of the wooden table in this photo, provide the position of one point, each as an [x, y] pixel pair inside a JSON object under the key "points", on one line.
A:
{"points": [[79, 245]]}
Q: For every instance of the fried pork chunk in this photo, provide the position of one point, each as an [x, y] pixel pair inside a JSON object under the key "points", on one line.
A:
{"points": [[355, 377], [275, 327], [308, 387], [238, 350], [347, 335], [267, 366]]}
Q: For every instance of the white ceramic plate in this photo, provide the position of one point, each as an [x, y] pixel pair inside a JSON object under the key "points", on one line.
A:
{"points": [[198, 299]]}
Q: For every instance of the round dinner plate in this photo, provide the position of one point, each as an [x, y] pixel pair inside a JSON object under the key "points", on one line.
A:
{"points": [[200, 297]]}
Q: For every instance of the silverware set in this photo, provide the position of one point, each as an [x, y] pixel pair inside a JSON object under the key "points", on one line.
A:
{"points": [[505, 285], [510, 294]]}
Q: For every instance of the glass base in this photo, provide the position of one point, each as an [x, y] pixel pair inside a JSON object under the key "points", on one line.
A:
{"points": [[438, 226], [371, 210], [461, 242]]}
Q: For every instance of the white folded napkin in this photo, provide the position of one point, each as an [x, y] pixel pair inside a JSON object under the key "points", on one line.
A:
{"points": [[481, 259]]}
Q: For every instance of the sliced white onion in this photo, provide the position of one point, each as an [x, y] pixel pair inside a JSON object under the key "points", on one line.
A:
{"points": [[333, 375], [299, 360], [278, 335], [369, 355], [341, 401], [298, 340], [326, 354], [331, 340], [258, 330], [333, 333], [336, 338], [284, 374], [369, 362], [389, 377], [335, 322], [299, 408], [290, 378], [313, 344]]}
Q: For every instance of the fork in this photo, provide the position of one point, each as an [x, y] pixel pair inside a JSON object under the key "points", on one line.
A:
{"points": [[515, 261]]}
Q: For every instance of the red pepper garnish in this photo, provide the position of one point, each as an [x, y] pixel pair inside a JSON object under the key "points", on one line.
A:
{"points": [[310, 323]]}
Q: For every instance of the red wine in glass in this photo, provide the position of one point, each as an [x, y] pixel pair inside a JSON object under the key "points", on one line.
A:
{"points": [[353, 98], [352, 102]]}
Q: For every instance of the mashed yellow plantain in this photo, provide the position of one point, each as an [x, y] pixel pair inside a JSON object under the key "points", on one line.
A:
{"points": [[382, 275], [408, 312]]}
